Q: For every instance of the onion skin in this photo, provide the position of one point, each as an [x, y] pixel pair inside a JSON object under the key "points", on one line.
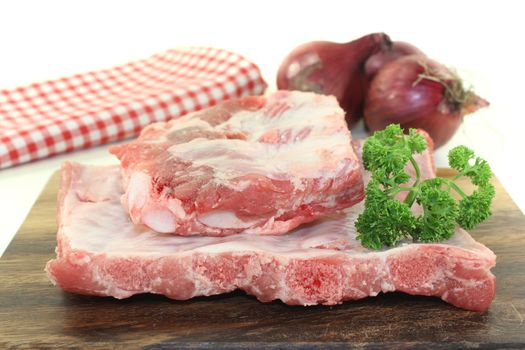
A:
{"points": [[391, 53], [333, 69], [400, 93]]}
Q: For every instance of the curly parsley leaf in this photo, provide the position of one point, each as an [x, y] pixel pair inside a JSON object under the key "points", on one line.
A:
{"points": [[440, 213], [375, 233], [466, 163], [388, 151], [475, 208], [386, 220]]}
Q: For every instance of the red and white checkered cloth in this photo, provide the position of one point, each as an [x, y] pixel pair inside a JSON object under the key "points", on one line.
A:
{"points": [[44, 119]]}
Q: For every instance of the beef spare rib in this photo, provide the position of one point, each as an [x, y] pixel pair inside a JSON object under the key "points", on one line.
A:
{"points": [[100, 252], [260, 164]]}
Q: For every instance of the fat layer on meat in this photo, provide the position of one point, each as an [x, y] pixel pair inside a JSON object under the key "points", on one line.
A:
{"points": [[260, 164]]}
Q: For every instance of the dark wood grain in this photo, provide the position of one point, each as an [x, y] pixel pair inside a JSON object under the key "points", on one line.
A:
{"points": [[33, 313]]}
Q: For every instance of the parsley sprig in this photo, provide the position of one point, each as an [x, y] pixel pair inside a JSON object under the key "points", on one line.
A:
{"points": [[386, 220]]}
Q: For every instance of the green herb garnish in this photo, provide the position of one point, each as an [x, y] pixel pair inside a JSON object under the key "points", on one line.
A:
{"points": [[386, 220]]}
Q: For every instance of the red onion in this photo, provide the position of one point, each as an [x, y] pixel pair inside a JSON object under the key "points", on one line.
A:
{"points": [[394, 51], [333, 69], [417, 92]]}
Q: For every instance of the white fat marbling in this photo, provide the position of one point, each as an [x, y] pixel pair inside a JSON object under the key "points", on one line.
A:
{"points": [[223, 219], [101, 225], [326, 149], [160, 219], [138, 188]]}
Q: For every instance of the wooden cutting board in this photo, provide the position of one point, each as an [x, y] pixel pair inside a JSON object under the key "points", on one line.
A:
{"points": [[33, 313]]}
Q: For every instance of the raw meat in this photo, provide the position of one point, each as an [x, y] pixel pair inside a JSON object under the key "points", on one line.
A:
{"points": [[100, 252], [260, 164]]}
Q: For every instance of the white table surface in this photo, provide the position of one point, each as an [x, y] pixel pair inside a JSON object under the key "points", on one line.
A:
{"points": [[46, 40]]}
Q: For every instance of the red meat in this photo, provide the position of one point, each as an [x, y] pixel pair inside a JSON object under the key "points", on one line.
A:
{"points": [[100, 252], [262, 165]]}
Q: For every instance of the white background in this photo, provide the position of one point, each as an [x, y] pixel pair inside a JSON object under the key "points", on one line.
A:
{"points": [[49, 39]]}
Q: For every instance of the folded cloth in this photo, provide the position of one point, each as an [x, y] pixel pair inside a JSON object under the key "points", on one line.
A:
{"points": [[44, 119]]}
